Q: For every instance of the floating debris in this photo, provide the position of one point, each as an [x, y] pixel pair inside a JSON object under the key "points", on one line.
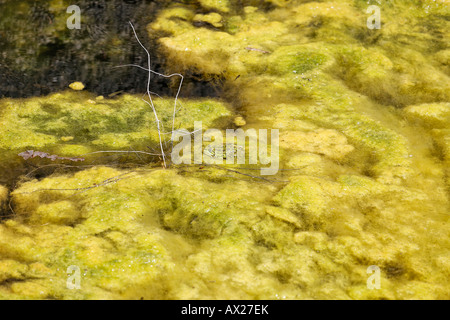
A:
{"points": [[33, 154]]}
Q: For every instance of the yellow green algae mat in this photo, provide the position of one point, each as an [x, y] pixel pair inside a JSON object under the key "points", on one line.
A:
{"points": [[359, 208]]}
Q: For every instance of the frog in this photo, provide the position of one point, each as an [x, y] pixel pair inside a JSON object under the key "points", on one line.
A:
{"points": [[230, 150]]}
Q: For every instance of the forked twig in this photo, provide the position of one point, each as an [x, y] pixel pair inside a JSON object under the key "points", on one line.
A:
{"points": [[165, 76], [149, 93], [122, 151]]}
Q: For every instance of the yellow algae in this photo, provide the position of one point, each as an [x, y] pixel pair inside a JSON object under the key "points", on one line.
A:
{"points": [[77, 86], [191, 47], [284, 215], [239, 121], [435, 115], [364, 172], [361, 172], [220, 5], [65, 139], [323, 141], [65, 124], [116, 232], [63, 212], [11, 269], [214, 19], [31, 289], [100, 215], [78, 244]]}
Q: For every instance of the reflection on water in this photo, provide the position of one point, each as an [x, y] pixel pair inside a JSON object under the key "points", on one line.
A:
{"points": [[41, 55]]}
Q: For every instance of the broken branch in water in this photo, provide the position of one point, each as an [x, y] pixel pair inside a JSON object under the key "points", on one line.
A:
{"points": [[33, 154]]}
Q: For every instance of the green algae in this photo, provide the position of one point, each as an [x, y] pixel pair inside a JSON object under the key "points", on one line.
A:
{"points": [[75, 123], [294, 59], [336, 90], [77, 115], [120, 226], [213, 19], [307, 72], [435, 115], [42, 55], [147, 224], [364, 138], [80, 242], [220, 5]]}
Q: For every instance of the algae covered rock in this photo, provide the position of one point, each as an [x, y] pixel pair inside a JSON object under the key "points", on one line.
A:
{"points": [[295, 59], [347, 210], [355, 164], [43, 122], [108, 245], [77, 86]]}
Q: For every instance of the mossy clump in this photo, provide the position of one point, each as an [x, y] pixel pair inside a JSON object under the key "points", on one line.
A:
{"points": [[124, 235], [101, 235], [366, 181], [219, 5], [370, 61], [213, 19], [135, 232], [392, 80], [72, 124], [268, 55], [295, 59], [362, 115], [349, 211], [77, 86]]}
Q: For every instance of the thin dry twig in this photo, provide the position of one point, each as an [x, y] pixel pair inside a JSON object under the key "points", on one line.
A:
{"points": [[165, 76], [149, 93], [102, 183]]}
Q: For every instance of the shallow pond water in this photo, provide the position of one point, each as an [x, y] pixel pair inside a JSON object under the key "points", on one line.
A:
{"points": [[352, 117]]}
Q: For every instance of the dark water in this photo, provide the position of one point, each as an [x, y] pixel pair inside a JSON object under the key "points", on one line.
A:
{"points": [[40, 55]]}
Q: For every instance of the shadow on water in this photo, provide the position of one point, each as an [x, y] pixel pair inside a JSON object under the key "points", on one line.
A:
{"points": [[40, 55]]}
